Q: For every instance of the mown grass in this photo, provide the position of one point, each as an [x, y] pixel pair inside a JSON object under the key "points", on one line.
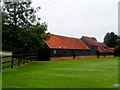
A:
{"points": [[78, 73], [0, 80], [5, 60]]}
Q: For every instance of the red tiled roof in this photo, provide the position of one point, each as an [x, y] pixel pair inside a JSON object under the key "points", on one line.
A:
{"points": [[90, 41], [63, 42], [104, 45], [111, 49], [102, 48]]}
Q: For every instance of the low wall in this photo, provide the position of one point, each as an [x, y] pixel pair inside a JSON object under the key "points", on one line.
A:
{"points": [[78, 57], [60, 58]]}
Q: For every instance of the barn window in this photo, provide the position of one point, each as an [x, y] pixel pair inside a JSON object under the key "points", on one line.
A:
{"points": [[54, 51], [64, 51]]}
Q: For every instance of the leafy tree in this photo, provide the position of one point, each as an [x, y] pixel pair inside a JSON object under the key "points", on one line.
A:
{"points": [[22, 30], [117, 48], [110, 39], [19, 13]]}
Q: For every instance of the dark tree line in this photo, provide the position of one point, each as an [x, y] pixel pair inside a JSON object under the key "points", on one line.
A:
{"points": [[22, 30], [113, 40], [117, 48], [110, 39]]}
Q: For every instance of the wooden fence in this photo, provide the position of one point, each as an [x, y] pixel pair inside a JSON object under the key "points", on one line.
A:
{"points": [[17, 60]]}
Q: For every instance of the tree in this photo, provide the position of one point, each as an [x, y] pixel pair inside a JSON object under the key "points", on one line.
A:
{"points": [[19, 13], [22, 30], [117, 48], [110, 39]]}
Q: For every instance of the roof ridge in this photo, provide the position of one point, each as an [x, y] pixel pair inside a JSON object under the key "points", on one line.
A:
{"points": [[89, 37], [65, 42]]}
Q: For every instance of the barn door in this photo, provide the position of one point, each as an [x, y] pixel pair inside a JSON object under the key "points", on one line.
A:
{"points": [[73, 53]]}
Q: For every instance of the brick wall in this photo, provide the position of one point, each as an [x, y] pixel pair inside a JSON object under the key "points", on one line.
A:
{"points": [[77, 57]]}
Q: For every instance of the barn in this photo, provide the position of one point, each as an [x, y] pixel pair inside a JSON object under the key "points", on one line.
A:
{"points": [[91, 42], [60, 47], [104, 50], [97, 48]]}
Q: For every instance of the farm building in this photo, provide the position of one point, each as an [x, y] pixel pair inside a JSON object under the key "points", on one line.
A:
{"points": [[104, 50], [97, 48], [92, 44], [61, 47]]}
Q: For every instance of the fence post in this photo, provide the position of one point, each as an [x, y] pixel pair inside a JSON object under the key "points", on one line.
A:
{"points": [[26, 60], [18, 62], [12, 63], [23, 61]]}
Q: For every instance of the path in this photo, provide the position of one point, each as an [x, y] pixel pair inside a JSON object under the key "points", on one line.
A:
{"points": [[5, 53]]}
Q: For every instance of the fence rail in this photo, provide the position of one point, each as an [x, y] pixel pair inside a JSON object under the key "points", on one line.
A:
{"points": [[17, 60]]}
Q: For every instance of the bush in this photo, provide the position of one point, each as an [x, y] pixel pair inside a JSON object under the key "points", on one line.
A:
{"points": [[117, 51]]}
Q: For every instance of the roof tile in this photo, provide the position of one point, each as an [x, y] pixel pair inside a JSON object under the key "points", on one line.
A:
{"points": [[102, 48], [90, 41], [63, 42]]}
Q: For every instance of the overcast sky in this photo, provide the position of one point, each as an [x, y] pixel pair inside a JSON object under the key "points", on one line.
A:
{"points": [[77, 18]]}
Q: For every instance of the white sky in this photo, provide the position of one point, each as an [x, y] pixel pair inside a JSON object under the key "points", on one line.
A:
{"points": [[77, 18]]}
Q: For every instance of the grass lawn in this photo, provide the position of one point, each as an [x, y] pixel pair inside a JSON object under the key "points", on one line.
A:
{"points": [[0, 80], [5, 60], [77, 73]]}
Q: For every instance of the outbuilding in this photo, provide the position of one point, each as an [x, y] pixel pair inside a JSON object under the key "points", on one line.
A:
{"points": [[61, 47], [97, 49], [91, 42]]}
